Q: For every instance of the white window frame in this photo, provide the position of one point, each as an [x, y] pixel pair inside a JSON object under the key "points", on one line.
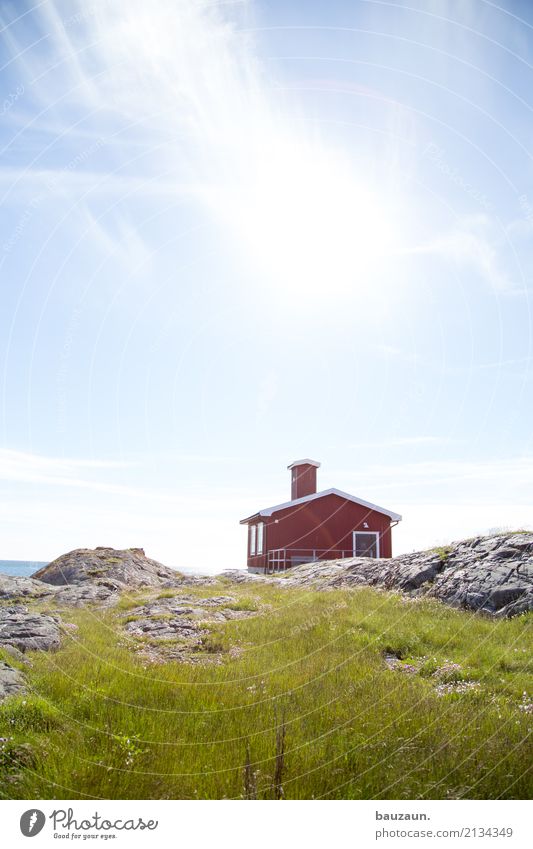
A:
{"points": [[366, 533], [260, 538], [253, 539]]}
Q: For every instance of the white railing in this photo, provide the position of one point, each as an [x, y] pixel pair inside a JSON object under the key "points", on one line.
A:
{"points": [[280, 559]]}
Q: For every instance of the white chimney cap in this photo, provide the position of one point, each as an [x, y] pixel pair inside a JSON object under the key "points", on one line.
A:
{"points": [[305, 462]]}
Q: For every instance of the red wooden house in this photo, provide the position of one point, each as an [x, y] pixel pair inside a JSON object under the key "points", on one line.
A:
{"points": [[316, 526]]}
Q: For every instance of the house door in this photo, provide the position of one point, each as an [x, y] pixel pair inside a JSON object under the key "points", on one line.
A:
{"points": [[365, 544]]}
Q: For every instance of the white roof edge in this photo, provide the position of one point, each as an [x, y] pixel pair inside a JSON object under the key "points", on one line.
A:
{"points": [[305, 462], [395, 517]]}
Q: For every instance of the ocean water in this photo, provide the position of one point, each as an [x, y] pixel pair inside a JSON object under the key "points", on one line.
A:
{"points": [[25, 568]]}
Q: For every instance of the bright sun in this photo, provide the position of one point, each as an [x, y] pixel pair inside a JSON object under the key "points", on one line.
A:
{"points": [[306, 223]]}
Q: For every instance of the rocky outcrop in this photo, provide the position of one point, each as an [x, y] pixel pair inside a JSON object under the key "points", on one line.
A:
{"points": [[15, 589], [491, 574], [79, 595], [165, 623], [176, 627], [241, 576], [12, 587], [27, 630], [107, 567], [11, 680]]}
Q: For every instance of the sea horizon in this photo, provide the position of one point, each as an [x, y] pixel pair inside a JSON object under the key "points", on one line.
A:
{"points": [[26, 568]]}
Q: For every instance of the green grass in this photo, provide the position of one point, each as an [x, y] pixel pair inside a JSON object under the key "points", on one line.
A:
{"points": [[443, 551], [100, 721], [244, 603]]}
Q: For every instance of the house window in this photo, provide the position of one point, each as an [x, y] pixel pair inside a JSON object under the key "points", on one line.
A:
{"points": [[260, 536], [253, 531], [365, 544]]}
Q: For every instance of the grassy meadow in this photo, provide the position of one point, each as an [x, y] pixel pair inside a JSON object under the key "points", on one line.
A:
{"points": [[337, 695]]}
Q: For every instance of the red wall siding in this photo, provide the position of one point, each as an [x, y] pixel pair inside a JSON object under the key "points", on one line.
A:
{"points": [[324, 523], [303, 481]]}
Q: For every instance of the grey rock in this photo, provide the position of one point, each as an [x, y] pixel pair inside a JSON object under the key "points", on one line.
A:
{"points": [[79, 595], [501, 596], [193, 580], [102, 593], [12, 587], [109, 567], [95, 577], [241, 576], [165, 629], [11, 681], [16, 654], [492, 574], [28, 631], [215, 601], [180, 619]]}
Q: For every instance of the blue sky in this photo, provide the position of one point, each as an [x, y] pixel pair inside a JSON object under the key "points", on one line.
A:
{"points": [[236, 234]]}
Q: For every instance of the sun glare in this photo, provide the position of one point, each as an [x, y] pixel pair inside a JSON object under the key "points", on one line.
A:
{"points": [[307, 224], [303, 216]]}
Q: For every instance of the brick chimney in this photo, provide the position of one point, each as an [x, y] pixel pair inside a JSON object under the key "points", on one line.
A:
{"points": [[303, 478]]}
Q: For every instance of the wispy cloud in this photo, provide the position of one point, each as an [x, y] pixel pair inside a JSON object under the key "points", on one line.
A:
{"points": [[104, 476], [122, 242], [177, 80], [476, 243], [23, 467], [28, 182], [502, 474], [49, 505], [185, 78], [398, 441]]}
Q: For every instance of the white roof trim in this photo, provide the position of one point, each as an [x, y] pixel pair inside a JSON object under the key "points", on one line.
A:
{"points": [[305, 462], [395, 517]]}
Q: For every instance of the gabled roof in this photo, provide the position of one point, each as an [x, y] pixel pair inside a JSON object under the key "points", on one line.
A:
{"points": [[395, 517]]}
